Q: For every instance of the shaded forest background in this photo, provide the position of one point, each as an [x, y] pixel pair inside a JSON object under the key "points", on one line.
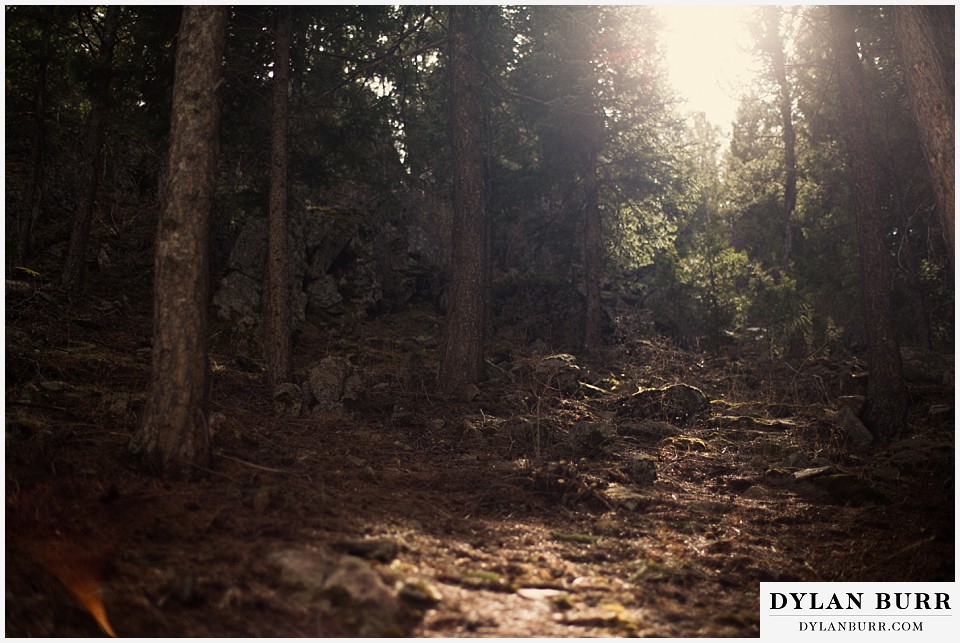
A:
{"points": [[354, 147], [694, 230]]}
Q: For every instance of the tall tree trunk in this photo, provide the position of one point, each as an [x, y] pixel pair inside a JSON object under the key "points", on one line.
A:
{"points": [[74, 265], [462, 361], [906, 256], [173, 438], [277, 328], [30, 210], [593, 335], [779, 67], [931, 101], [886, 405]]}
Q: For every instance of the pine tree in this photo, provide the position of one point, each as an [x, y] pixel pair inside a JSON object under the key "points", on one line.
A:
{"points": [[931, 100], [462, 361], [173, 437], [277, 313], [886, 405]]}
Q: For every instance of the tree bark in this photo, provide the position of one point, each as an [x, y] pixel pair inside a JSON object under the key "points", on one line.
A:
{"points": [[931, 102], [593, 334], [277, 328], [173, 438], [906, 255], [30, 210], [779, 67], [462, 361], [886, 405], [74, 265]]}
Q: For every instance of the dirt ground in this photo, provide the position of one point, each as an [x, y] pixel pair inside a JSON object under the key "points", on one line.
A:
{"points": [[527, 508]]}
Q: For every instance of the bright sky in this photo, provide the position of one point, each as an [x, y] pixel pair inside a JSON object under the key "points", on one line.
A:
{"points": [[708, 58]]}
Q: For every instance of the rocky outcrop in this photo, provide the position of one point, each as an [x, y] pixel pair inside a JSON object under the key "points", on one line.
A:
{"points": [[342, 259]]}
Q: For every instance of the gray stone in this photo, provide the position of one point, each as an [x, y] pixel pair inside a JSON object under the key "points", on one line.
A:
{"points": [[420, 592], [624, 497], [342, 586], [849, 490], [558, 371], [855, 402], [592, 438], [647, 430], [779, 477], [853, 429], [287, 400], [676, 404], [334, 381], [237, 302], [380, 549], [640, 468], [806, 475], [913, 454], [323, 296], [923, 366]]}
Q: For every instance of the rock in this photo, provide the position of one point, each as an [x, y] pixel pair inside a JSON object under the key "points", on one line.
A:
{"points": [[237, 302], [753, 423], [380, 549], [676, 404], [302, 570], [538, 593], [468, 392], [711, 506], [756, 492], [798, 459], [363, 285], [923, 366], [118, 403], [324, 235], [287, 400], [497, 371], [849, 490], [922, 455], [641, 469], [420, 593], [806, 475], [353, 580], [940, 413], [558, 371], [323, 296], [414, 370], [855, 402], [237, 299], [592, 438], [339, 256], [779, 477], [261, 499], [624, 497], [427, 341], [853, 428], [343, 587], [647, 430], [334, 381]]}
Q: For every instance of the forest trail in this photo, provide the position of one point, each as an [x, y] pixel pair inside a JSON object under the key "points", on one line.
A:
{"points": [[538, 505]]}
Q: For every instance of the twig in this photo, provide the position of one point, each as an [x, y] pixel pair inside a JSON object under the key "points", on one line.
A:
{"points": [[252, 465]]}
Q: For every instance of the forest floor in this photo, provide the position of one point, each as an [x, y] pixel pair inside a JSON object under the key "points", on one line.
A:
{"points": [[534, 506]]}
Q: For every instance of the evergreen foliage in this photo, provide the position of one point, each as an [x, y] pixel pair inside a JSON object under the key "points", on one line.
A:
{"points": [[693, 223]]}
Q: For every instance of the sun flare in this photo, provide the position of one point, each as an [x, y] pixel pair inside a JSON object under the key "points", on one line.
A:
{"points": [[708, 57]]}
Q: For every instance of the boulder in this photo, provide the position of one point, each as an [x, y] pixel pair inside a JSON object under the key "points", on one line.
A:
{"points": [[592, 438], [676, 404], [853, 429], [558, 371], [334, 381], [288, 400]]}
